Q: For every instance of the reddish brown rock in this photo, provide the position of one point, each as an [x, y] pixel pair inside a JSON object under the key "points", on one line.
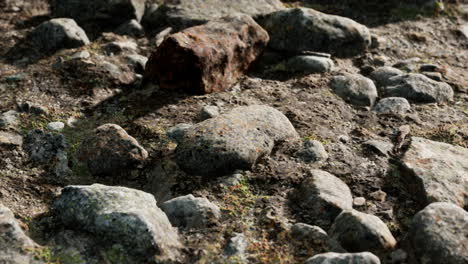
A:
{"points": [[207, 58]]}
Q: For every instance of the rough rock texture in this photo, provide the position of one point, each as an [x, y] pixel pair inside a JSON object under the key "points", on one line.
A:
{"points": [[381, 76], [438, 172], [115, 12], [324, 195], [119, 216], [304, 29], [236, 248], [354, 231], [308, 233], [392, 105], [110, 149], [344, 258], [8, 139], [309, 64], [438, 234], [314, 151], [58, 33], [131, 28], [186, 13], [418, 88], [355, 88], [207, 58], [190, 212], [235, 140], [9, 118]]}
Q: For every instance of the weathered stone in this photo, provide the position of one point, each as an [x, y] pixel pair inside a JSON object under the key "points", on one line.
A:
{"points": [[314, 151], [110, 150], [236, 248], [304, 29], [9, 118], [207, 58], [136, 62], [209, 111], [131, 28], [56, 126], [10, 139], [308, 233], [381, 76], [120, 217], [436, 76], [355, 88], [344, 258], [118, 47], [235, 140], [177, 132], [354, 231], [436, 171], [324, 195], [438, 234], [58, 33], [418, 88], [309, 64], [392, 105]]}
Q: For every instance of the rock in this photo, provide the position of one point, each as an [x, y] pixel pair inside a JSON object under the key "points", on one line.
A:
{"points": [[324, 195], [237, 247], [119, 217], [137, 62], [344, 258], [216, 55], [382, 148], [309, 64], [409, 65], [418, 88], [378, 195], [131, 28], [190, 212], [34, 109], [232, 141], [111, 150], [381, 76], [162, 35], [9, 118], [354, 231], [314, 151], [304, 29], [436, 171], [187, 13], [99, 11], [209, 111], [119, 47], [84, 54], [355, 88], [58, 33], [308, 233], [56, 126], [398, 256], [463, 30], [231, 180], [359, 201], [10, 139], [436, 76], [392, 105], [13, 242], [438, 234], [177, 132]]}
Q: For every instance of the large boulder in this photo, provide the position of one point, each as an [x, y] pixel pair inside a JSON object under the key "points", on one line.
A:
{"points": [[438, 234], [355, 88], [119, 217], [437, 172], [344, 258], [304, 29], [207, 58], [182, 14], [235, 140], [110, 150], [58, 33]]}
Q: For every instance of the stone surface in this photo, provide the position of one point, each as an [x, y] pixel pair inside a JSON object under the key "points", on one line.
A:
{"points": [[235, 140], [418, 88], [119, 217], [9, 118], [10, 139], [137, 62], [304, 29], [187, 13], [209, 111], [355, 89], [207, 58], [392, 105], [58, 33], [236, 248], [314, 151], [359, 201], [110, 150], [354, 231], [190, 212], [381, 76], [436, 171], [309, 64], [119, 47], [382, 148], [131, 28], [177, 132], [309, 233], [324, 195], [56, 126], [438, 234], [344, 258]]}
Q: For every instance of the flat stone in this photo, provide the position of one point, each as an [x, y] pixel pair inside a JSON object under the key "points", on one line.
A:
{"points": [[10, 139], [344, 258]]}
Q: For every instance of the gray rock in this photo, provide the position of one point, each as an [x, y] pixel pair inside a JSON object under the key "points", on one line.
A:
{"points": [[58, 33], [355, 88], [131, 28], [32, 108], [436, 76], [119, 47], [314, 151], [162, 35], [236, 248], [344, 258], [381, 76], [137, 62], [324, 195], [309, 64], [439, 171], [10, 139], [119, 217], [463, 30], [235, 140], [392, 105], [308, 233], [84, 54], [418, 88], [382, 148], [178, 131], [13, 241], [186, 13], [354, 231], [304, 29], [111, 150], [438, 234], [56, 126], [9, 118], [359, 201], [190, 212], [209, 111], [231, 180]]}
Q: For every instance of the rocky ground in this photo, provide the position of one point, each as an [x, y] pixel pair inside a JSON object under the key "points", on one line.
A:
{"points": [[283, 135]]}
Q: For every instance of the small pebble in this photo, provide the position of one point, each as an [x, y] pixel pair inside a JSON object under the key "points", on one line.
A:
{"points": [[55, 126], [359, 201]]}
